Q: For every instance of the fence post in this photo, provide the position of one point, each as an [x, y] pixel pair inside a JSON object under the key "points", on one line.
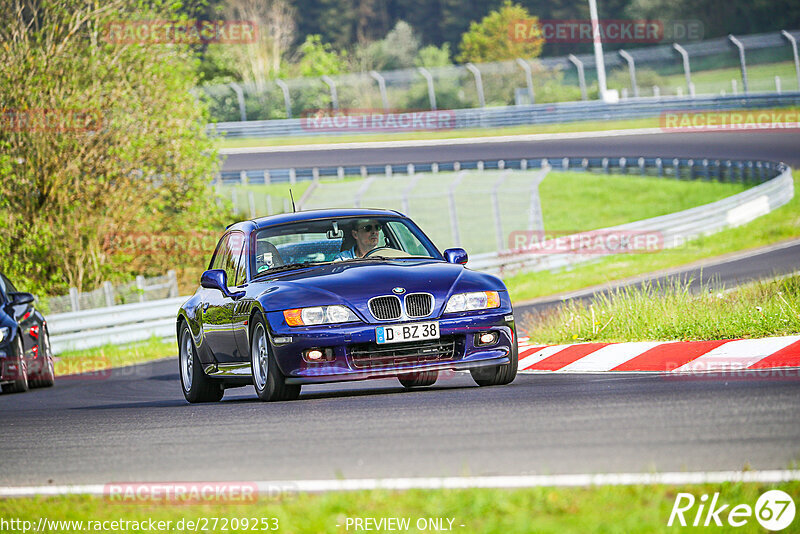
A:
{"points": [[528, 77], [382, 86], [738, 44], [734, 87], [73, 299], [778, 84], [269, 205], [535, 220], [332, 85], [252, 198], [478, 83], [173, 283], [292, 176], [581, 77], [287, 100], [431, 92], [140, 287], [451, 198], [687, 71], [793, 42], [498, 223], [632, 69], [108, 290], [240, 97], [235, 200]]}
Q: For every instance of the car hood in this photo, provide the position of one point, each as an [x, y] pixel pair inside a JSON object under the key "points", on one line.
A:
{"points": [[354, 283]]}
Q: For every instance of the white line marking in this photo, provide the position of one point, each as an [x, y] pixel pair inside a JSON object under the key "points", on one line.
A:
{"points": [[540, 355], [511, 481], [410, 143], [610, 356], [736, 355]]}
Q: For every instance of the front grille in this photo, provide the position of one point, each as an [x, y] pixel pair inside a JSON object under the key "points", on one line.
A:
{"points": [[372, 355], [385, 308], [419, 304]]}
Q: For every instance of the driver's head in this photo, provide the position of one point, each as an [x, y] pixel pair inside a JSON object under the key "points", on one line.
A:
{"points": [[366, 234]]}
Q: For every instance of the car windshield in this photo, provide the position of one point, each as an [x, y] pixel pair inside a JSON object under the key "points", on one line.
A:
{"points": [[341, 239]]}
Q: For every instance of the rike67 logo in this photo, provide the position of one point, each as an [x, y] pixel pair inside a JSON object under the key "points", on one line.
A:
{"points": [[774, 510]]}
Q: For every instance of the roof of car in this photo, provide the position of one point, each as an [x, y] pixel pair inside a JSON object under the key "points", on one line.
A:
{"points": [[284, 218]]}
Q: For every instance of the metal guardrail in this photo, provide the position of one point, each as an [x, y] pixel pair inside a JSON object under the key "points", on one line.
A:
{"points": [[114, 325], [498, 117], [673, 230]]}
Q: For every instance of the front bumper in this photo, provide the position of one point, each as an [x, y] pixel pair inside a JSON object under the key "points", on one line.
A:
{"points": [[345, 341]]}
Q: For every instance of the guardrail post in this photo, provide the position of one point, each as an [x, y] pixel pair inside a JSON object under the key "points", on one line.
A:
{"points": [[676, 166], [642, 167], [332, 86], [760, 168], [252, 199], [431, 92], [656, 91], [528, 77], [240, 97], [292, 176], [173, 284], [478, 83], [340, 173], [632, 69], [363, 171], [435, 167], [687, 71], [706, 172], [140, 287], [729, 170], [480, 165], [382, 87], [243, 177], [315, 174], [73, 299], [565, 164], [523, 164], [734, 87], [108, 290], [456, 166], [778, 84], [690, 163], [287, 99], [738, 44], [623, 165], [604, 163], [793, 42], [388, 171], [751, 170], [717, 170], [267, 178], [581, 76], [585, 164], [659, 168]]}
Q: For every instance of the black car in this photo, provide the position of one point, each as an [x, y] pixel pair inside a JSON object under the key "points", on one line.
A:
{"points": [[25, 354]]}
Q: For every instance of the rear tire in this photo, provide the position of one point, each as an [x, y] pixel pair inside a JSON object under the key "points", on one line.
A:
{"points": [[195, 384], [418, 380], [46, 377], [269, 382], [499, 375], [20, 385]]}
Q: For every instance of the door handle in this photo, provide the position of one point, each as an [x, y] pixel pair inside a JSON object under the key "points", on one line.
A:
{"points": [[205, 306]]}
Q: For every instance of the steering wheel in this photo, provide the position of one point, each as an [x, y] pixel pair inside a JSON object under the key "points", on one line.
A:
{"points": [[387, 252]]}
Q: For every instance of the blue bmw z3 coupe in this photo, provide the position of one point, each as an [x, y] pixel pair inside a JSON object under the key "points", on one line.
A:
{"points": [[335, 295]]}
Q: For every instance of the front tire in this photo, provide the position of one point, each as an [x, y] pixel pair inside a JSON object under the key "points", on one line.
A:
{"points": [[20, 385], [268, 380], [419, 379], [499, 375], [195, 384]]}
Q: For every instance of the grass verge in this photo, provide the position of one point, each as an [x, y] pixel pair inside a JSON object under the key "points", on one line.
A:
{"points": [[109, 356], [608, 509], [673, 312], [779, 225]]}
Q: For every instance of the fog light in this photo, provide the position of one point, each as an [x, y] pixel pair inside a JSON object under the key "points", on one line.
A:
{"points": [[486, 338], [318, 355]]}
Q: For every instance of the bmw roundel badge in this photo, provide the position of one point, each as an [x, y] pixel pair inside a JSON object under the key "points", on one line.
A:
{"points": [[398, 290]]}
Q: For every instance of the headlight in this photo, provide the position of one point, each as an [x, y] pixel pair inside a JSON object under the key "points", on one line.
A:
{"points": [[479, 300], [4, 333], [319, 315]]}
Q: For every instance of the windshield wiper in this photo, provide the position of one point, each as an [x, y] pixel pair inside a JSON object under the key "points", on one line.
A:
{"points": [[288, 267]]}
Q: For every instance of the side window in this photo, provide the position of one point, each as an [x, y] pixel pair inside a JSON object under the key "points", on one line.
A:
{"points": [[408, 241], [220, 258], [3, 297], [234, 259], [9, 287]]}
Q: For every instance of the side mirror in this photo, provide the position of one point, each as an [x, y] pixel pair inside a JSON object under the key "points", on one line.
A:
{"points": [[218, 279], [18, 299], [455, 255]]}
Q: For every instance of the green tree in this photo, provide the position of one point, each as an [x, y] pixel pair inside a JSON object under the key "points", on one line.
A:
{"points": [[317, 58], [494, 38], [100, 140]]}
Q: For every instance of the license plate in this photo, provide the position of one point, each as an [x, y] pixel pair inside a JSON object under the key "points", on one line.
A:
{"points": [[407, 332]]}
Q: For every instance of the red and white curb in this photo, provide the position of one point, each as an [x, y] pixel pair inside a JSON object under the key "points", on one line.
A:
{"points": [[665, 357]]}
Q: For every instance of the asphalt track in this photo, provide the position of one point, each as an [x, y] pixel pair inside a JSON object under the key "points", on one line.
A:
{"points": [[775, 145], [133, 424]]}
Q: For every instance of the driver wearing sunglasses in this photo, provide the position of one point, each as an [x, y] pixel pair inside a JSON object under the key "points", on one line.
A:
{"points": [[366, 235]]}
